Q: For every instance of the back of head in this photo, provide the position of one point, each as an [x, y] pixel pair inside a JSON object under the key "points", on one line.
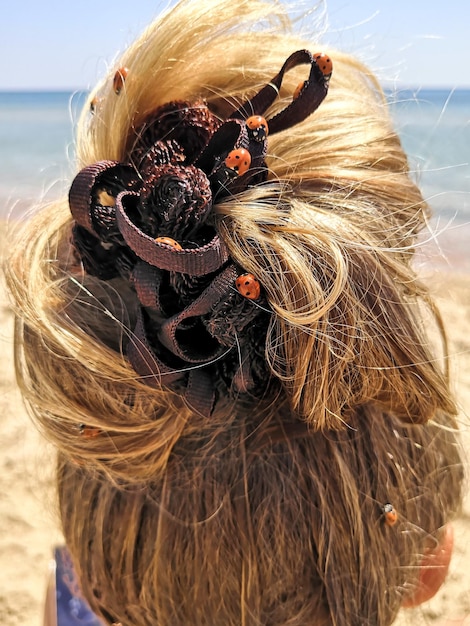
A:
{"points": [[259, 500]]}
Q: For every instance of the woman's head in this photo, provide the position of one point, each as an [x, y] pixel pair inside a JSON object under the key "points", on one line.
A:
{"points": [[269, 507]]}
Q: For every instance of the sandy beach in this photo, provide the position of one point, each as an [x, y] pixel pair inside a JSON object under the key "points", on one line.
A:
{"points": [[28, 524]]}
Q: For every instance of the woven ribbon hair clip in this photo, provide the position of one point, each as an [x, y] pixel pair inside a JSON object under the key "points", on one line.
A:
{"points": [[149, 220]]}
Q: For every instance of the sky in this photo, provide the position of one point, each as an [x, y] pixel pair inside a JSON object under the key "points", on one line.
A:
{"points": [[62, 45]]}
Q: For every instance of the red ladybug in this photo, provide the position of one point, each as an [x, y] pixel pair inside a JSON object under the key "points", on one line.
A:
{"points": [[89, 432], [299, 88], [94, 104], [391, 516], [169, 242], [324, 63], [257, 127], [238, 160], [105, 198], [119, 78], [77, 462], [248, 286]]}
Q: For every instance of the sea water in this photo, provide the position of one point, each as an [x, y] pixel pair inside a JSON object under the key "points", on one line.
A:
{"points": [[36, 135], [36, 147], [434, 126]]}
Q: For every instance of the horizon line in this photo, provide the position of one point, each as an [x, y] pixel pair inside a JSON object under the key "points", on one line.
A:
{"points": [[385, 86]]}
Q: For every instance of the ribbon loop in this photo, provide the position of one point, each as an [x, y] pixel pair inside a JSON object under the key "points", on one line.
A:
{"points": [[300, 108], [196, 261]]}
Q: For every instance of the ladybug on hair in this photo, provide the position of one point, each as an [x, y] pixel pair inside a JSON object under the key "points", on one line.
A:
{"points": [[89, 432], [390, 514], [119, 79], [248, 286]]}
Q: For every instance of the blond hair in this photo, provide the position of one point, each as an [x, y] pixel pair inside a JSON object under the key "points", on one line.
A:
{"points": [[269, 511]]}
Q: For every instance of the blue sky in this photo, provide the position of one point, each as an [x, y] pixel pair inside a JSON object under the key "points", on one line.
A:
{"points": [[56, 44]]}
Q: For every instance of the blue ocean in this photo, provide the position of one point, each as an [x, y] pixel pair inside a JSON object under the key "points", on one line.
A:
{"points": [[36, 147], [434, 126]]}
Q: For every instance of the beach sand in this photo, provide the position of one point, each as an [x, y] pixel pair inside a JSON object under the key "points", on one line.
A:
{"points": [[28, 522]]}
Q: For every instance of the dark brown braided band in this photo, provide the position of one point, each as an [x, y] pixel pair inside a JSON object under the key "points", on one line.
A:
{"points": [[201, 327]]}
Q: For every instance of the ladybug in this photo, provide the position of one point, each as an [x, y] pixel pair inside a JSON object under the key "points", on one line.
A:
{"points": [[169, 242], [119, 78], [238, 160], [248, 286], [105, 198], [257, 127], [300, 87], [324, 63], [391, 516], [89, 432], [77, 462], [94, 104]]}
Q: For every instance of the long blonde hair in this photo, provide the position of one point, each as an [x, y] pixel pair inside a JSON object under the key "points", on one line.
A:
{"points": [[270, 511]]}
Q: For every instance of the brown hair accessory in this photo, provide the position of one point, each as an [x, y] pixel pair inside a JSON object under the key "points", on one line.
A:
{"points": [[149, 220]]}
